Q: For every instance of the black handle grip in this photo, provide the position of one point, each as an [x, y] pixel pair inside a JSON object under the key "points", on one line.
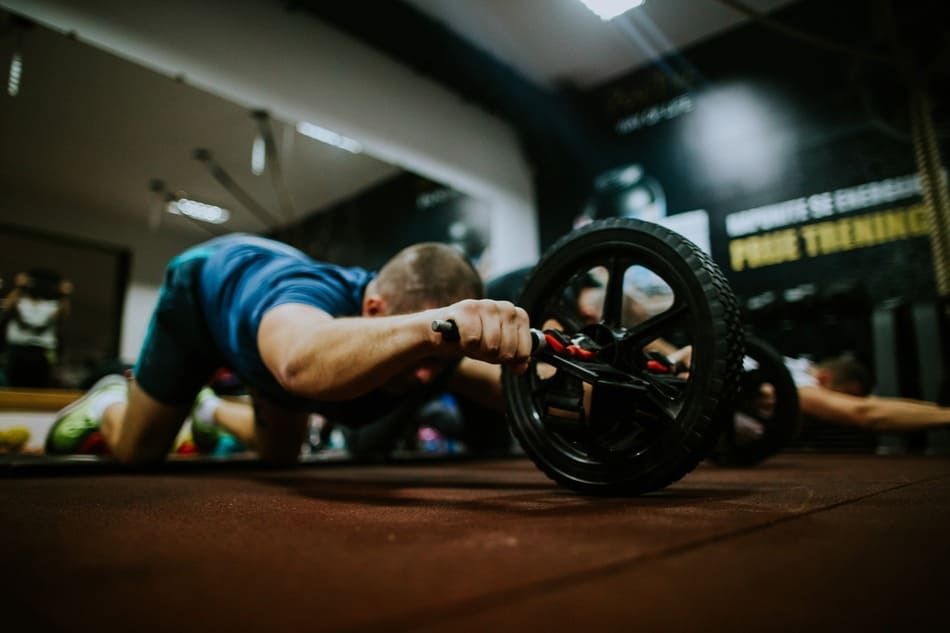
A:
{"points": [[450, 331]]}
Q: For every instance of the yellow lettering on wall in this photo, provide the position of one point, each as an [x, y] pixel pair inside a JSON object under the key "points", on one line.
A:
{"points": [[864, 234], [783, 247], [845, 230], [828, 238], [810, 236], [764, 250], [896, 222], [825, 238], [917, 220]]}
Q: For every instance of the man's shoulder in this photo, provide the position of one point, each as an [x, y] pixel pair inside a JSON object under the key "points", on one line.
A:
{"points": [[252, 243], [243, 250], [264, 272]]}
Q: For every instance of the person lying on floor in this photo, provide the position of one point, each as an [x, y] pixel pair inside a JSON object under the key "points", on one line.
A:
{"points": [[304, 336], [838, 391]]}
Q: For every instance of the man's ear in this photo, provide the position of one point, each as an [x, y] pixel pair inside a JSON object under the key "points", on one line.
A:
{"points": [[373, 305], [824, 377]]}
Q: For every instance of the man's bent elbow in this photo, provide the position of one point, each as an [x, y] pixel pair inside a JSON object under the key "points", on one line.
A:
{"points": [[293, 378]]}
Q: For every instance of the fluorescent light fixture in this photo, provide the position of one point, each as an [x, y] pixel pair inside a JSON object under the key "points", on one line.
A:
{"points": [[198, 211], [258, 156], [609, 9], [16, 71], [329, 137]]}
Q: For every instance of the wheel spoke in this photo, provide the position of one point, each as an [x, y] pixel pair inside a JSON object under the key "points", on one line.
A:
{"points": [[749, 409], [620, 422], [612, 314], [654, 327], [664, 395], [662, 421], [571, 427], [562, 392], [569, 322]]}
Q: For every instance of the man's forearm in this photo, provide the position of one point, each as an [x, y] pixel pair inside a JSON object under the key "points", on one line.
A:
{"points": [[316, 356], [339, 359], [479, 382]]}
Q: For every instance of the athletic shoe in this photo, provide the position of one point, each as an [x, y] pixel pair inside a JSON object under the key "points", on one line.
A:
{"points": [[74, 423], [204, 435], [211, 438]]}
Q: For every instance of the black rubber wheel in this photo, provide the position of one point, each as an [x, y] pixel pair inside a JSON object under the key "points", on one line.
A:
{"points": [[614, 439], [755, 429]]}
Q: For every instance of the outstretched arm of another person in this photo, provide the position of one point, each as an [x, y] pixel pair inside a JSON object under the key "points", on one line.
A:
{"points": [[317, 356], [872, 412], [480, 382]]}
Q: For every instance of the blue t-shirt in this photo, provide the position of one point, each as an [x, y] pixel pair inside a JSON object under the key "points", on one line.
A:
{"points": [[244, 276]]}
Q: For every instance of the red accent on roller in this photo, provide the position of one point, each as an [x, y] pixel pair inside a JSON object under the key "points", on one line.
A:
{"points": [[568, 350], [554, 344], [657, 367], [580, 352]]}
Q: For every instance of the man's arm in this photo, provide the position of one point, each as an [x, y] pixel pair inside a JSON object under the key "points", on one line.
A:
{"points": [[317, 356], [20, 283], [480, 382], [874, 413], [65, 292]]}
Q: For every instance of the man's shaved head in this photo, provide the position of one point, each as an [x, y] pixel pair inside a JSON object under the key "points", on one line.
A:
{"points": [[425, 275]]}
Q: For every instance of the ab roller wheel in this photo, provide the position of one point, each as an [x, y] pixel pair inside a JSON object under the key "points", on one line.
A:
{"points": [[601, 409], [765, 416]]}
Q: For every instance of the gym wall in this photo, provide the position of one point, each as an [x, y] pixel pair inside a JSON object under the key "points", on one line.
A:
{"points": [[99, 274], [799, 157], [368, 228]]}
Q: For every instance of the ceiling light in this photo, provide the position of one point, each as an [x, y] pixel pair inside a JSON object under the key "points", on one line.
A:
{"points": [[609, 9], [198, 211], [16, 71], [735, 134], [329, 137], [258, 156]]}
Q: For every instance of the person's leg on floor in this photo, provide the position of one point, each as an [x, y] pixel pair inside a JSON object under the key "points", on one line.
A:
{"points": [[279, 433], [142, 430], [237, 418], [177, 359], [274, 432], [136, 428]]}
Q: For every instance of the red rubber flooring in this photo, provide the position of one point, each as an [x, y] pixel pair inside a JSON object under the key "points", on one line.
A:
{"points": [[803, 542]]}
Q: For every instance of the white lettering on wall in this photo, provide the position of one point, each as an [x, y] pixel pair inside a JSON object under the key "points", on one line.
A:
{"points": [[821, 205]]}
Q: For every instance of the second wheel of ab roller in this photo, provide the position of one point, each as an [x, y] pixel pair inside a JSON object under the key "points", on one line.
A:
{"points": [[765, 416]]}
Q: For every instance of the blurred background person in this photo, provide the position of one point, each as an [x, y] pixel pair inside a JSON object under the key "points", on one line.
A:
{"points": [[33, 314]]}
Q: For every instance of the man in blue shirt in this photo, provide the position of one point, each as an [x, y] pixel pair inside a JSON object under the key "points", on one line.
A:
{"points": [[304, 337]]}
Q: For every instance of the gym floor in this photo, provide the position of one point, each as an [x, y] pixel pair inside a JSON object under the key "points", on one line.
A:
{"points": [[803, 541]]}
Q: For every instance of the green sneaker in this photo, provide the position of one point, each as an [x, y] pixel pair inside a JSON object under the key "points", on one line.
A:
{"points": [[204, 435], [74, 424]]}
